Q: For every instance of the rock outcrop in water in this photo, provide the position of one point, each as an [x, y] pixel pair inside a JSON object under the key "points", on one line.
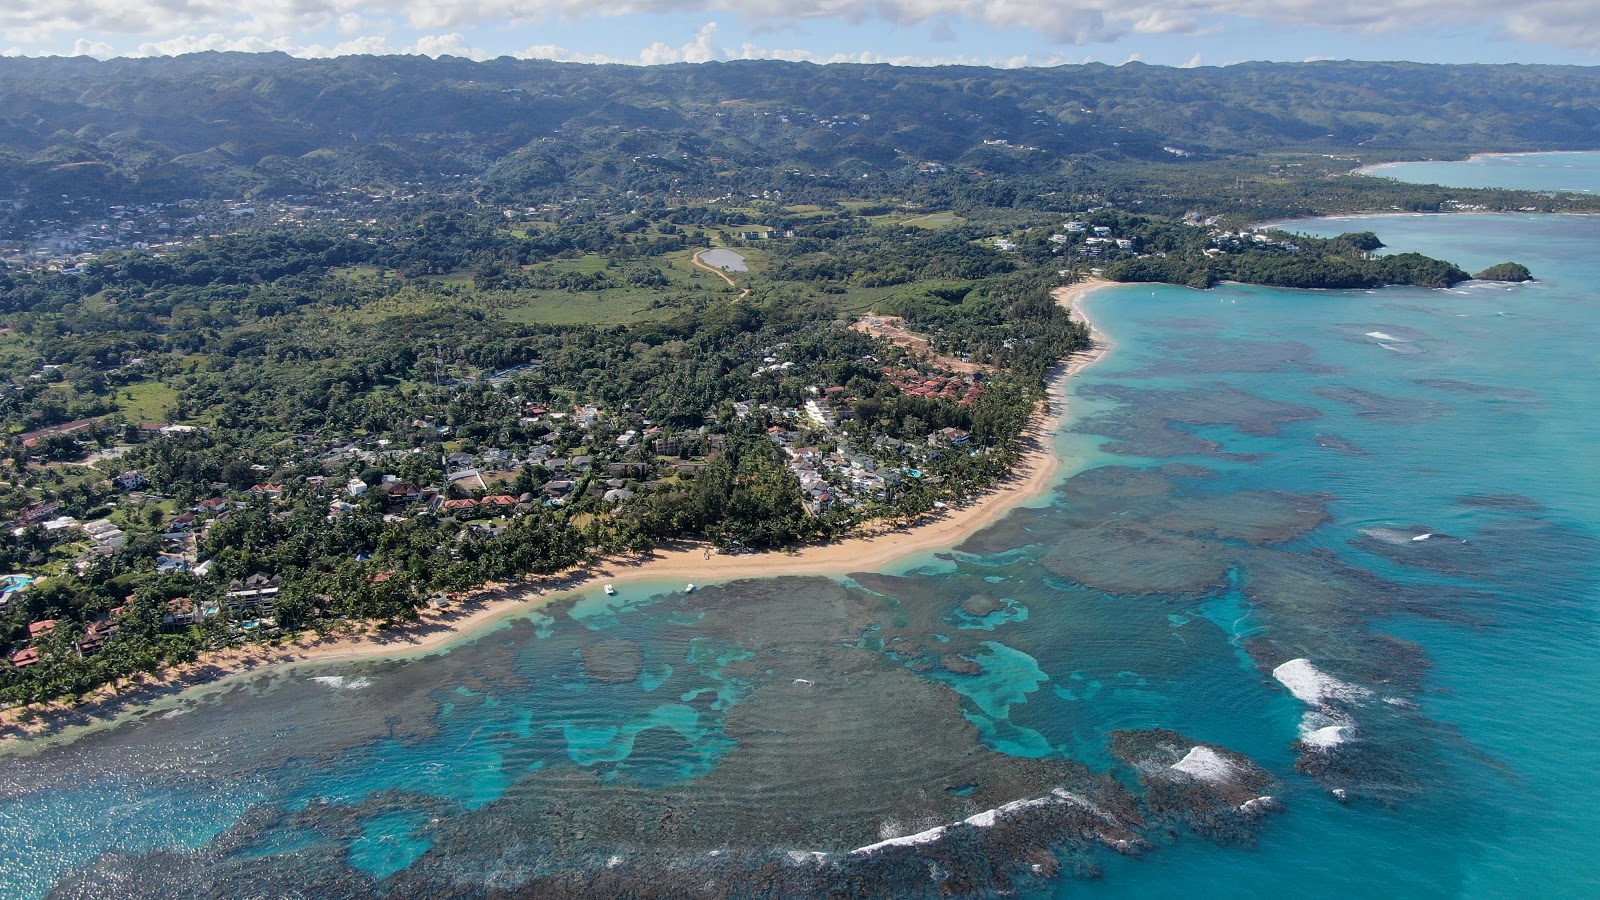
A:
{"points": [[1220, 794]]}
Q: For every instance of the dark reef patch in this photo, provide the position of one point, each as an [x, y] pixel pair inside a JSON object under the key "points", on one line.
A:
{"points": [[1388, 410], [980, 605], [1511, 502], [1230, 357], [1220, 794], [1133, 560], [1488, 392], [1144, 424], [956, 664], [1339, 444], [1254, 517], [614, 661]]}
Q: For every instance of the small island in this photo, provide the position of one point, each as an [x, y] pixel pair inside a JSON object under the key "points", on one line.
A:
{"points": [[1506, 271]]}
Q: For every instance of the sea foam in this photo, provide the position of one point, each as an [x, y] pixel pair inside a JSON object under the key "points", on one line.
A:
{"points": [[1314, 686], [1324, 738], [985, 819], [1205, 764], [342, 682]]}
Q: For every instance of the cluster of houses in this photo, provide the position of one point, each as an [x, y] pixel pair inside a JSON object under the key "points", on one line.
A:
{"points": [[840, 477], [1096, 241], [94, 638], [85, 230], [249, 600], [1225, 242], [964, 389], [847, 476]]}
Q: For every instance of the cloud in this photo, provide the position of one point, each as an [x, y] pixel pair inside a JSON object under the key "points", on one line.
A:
{"points": [[703, 49], [697, 51], [437, 45], [1565, 22], [1195, 62], [434, 27], [96, 49]]}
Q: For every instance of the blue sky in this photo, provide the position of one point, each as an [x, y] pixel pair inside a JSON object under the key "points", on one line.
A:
{"points": [[987, 32]]}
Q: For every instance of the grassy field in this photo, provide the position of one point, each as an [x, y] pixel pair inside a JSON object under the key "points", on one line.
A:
{"points": [[860, 300], [13, 347], [146, 401], [592, 308], [935, 220], [687, 284]]}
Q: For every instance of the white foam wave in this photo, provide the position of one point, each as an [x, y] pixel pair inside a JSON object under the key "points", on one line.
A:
{"points": [[1387, 535], [1314, 686], [1325, 738], [1266, 800], [343, 682], [1205, 764], [910, 840], [800, 857], [988, 817], [985, 819], [1384, 336], [1422, 537]]}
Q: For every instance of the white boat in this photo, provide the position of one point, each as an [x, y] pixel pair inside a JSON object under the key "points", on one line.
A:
{"points": [[689, 589], [610, 590]]}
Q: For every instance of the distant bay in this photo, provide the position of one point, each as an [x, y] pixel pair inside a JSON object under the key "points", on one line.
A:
{"points": [[1578, 172]]}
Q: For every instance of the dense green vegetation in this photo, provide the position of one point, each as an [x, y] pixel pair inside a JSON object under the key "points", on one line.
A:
{"points": [[1297, 261], [267, 125], [1506, 271]]}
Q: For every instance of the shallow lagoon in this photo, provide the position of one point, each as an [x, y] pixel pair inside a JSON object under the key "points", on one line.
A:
{"points": [[1251, 468]]}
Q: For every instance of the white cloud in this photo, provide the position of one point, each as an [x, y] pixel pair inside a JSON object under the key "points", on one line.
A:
{"points": [[1565, 22], [196, 44], [703, 49], [437, 45], [1195, 62], [96, 49], [697, 51], [171, 26]]}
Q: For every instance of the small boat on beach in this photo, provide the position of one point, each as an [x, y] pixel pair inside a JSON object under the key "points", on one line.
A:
{"points": [[689, 589], [610, 591]]}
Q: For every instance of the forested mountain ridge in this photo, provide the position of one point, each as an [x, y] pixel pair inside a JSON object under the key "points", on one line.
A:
{"points": [[231, 125]]}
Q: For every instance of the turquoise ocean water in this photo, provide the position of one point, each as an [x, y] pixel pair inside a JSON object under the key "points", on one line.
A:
{"points": [[1249, 471], [1578, 172]]}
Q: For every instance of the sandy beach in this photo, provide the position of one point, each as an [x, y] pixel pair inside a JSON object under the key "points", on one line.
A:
{"points": [[437, 629]]}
